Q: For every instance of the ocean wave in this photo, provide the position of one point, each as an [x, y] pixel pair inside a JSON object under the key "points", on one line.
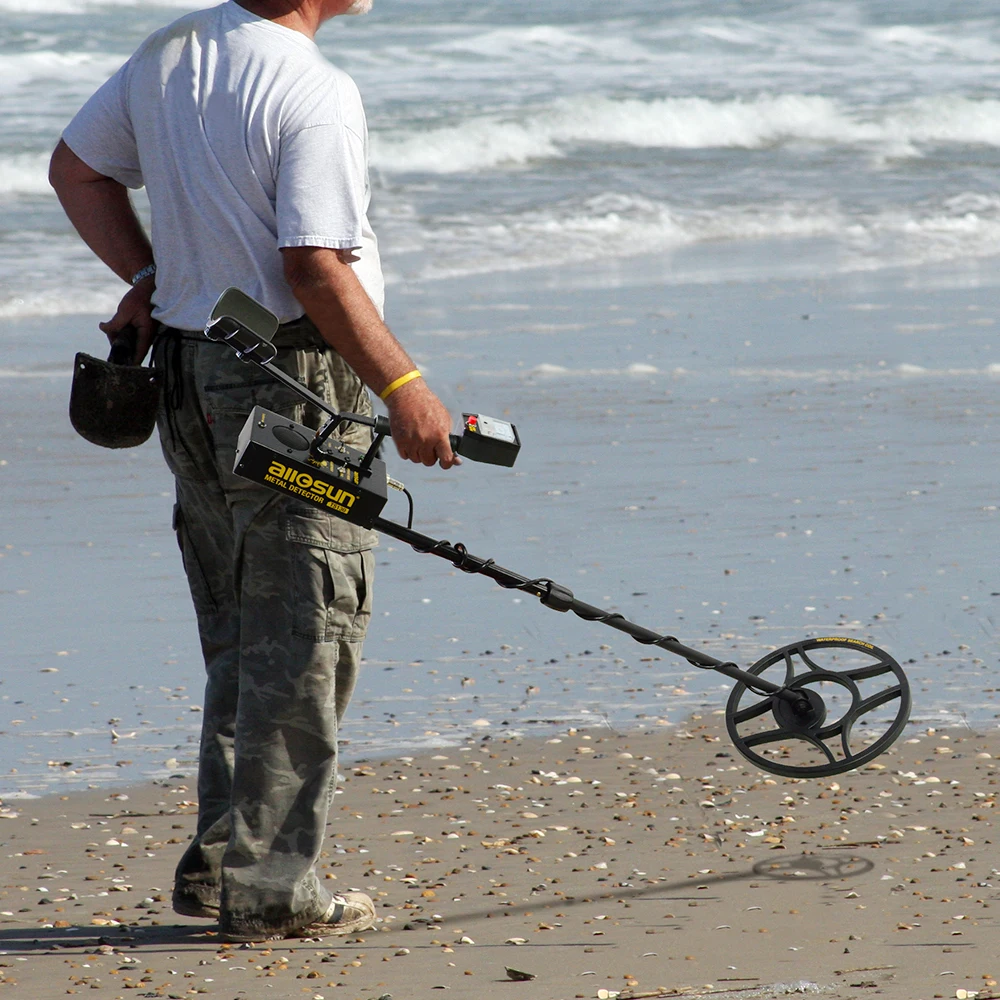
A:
{"points": [[559, 371], [487, 142], [58, 300], [548, 41], [965, 41], [882, 373], [607, 225], [36, 372], [614, 225], [903, 370], [25, 173], [782, 238], [680, 49], [43, 7], [82, 72]]}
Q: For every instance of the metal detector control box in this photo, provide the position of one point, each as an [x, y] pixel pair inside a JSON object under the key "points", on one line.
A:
{"points": [[487, 439], [276, 452]]}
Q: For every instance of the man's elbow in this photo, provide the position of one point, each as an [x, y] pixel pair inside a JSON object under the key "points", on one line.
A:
{"points": [[308, 269], [66, 170], [59, 166]]}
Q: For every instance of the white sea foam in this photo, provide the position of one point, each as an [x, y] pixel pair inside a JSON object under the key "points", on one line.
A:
{"points": [[933, 42], [26, 173], [887, 373], [62, 299], [43, 7], [82, 71], [35, 373], [637, 369], [615, 225], [487, 142], [905, 370], [550, 41], [606, 227], [547, 370], [474, 145]]}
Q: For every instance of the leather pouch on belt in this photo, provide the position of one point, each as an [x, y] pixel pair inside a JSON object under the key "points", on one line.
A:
{"points": [[113, 403]]}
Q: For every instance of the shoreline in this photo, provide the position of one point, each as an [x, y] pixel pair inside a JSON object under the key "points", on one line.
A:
{"points": [[741, 465], [649, 864]]}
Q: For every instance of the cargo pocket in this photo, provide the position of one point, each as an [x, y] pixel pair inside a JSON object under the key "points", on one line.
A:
{"points": [[201, 593], [235, 388], [332, 574]]}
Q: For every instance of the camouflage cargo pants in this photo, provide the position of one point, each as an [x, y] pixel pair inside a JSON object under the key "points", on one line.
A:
{"points": [[282, 592]]}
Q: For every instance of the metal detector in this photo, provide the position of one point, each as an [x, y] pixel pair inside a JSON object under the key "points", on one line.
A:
{"points": [[815, 708]]}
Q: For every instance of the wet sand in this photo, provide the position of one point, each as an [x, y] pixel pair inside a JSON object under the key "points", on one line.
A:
{"points": [[591, 864], [739, 463]]}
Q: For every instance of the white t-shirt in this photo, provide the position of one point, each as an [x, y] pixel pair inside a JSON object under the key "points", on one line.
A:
{"points": [[247, 140]]}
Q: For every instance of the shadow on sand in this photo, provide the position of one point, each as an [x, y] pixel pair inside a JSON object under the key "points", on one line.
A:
{"points": [[804, 868]]}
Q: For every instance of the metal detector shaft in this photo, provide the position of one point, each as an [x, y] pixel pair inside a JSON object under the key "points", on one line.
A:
{"points": [[275, 452], [259, 350], [251, 346], [560, 598]]}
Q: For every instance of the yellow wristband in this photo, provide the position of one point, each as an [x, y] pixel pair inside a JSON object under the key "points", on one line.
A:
{"points": [[401, 381]]}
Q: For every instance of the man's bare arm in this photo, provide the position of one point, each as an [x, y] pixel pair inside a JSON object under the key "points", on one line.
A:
{"points": [[327, 288], [102, 213]]}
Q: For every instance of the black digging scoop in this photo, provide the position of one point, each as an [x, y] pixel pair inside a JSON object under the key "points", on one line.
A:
{"points": [[113, 403]]}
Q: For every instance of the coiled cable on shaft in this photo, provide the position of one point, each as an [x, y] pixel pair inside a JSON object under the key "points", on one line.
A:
{"points": [[551, 594]]}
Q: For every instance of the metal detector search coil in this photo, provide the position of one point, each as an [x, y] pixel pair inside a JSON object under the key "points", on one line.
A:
{"points": [[815, 708]]}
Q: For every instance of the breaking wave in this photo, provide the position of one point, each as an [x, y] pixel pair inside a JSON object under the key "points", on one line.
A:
{"points": [[487, 142], [614, 225]]}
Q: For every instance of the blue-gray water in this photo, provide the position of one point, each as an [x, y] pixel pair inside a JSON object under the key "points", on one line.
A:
{"points": [[730, 267], [740, 465], [510, 134]]}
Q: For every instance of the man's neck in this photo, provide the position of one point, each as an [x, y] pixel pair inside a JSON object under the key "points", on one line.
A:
{"points": [[304, 16]]}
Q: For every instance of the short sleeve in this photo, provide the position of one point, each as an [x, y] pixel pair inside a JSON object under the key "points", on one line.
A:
{"points": [[101, 133], [321, 188]]}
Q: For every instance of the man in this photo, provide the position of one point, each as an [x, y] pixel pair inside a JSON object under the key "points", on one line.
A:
{"points": [[253, 150]]}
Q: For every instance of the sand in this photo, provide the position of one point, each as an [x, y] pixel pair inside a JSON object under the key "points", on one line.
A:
{"points": [[592, 864]]}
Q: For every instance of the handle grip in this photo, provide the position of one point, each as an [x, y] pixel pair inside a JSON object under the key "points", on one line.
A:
{"points": [[381, 426], [123, 346], [485, 439]]}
